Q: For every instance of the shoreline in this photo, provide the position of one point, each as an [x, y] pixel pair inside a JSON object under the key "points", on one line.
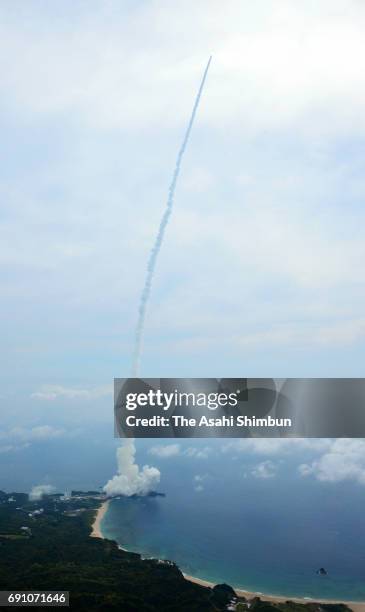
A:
{"points": [[355, 606], [95, 527]]}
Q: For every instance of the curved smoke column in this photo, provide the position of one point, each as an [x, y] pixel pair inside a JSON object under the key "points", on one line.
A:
{"points": [[160, 234]]}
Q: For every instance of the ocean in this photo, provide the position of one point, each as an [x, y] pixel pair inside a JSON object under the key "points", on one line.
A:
{"points": [[220, 523]]}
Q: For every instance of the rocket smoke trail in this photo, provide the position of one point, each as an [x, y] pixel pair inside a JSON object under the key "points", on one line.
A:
{"points": [[160, 234]]}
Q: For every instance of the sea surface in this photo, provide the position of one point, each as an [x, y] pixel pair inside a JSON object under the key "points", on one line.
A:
{"points": [[270, 535]]}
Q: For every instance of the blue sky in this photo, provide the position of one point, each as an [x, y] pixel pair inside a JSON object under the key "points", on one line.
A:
{"points": [[261, 272]]}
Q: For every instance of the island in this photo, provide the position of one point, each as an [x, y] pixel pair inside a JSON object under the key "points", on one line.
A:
{"points": [[46, 545]]}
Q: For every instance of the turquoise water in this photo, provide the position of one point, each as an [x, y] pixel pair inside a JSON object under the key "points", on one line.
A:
{"points": [[268, 535]]}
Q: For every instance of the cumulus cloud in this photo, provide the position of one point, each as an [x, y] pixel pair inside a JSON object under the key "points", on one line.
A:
{"points": [[164, 452], [39, 491], [130, 479], [331, 460], [264, 470], [344, 460]]}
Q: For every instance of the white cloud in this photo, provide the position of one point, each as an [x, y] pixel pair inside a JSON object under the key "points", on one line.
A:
{"points": [[53, 392], [344, 460], [276, 446], [41, 432], [20, 438], [198, 453], [164, 452], [276, 141], [39, 491], [264, 470], [331, 460], [173, 450], [198, 481], [273, 64], [337, 333], [200, 477], [130, 480]]}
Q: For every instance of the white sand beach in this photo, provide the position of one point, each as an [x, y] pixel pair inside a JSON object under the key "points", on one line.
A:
{"points": [[355, 606], [96, 532]]}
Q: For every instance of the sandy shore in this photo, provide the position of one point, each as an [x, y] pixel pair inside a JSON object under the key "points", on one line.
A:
{"points": [[353, 605], [96, 532]]}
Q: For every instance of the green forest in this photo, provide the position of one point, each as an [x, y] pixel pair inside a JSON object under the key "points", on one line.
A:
{"points": [[45, 545]]}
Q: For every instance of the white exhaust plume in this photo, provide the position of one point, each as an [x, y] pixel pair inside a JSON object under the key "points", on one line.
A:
{"points": [[160, 235], [130, 480], [38, 491]]}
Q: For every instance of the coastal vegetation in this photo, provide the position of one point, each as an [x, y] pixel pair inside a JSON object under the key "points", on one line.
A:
{"points": [[55, 552]]}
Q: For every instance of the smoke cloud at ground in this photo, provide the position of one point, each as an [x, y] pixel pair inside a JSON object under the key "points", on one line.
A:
{"points": [[130, 479]]}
